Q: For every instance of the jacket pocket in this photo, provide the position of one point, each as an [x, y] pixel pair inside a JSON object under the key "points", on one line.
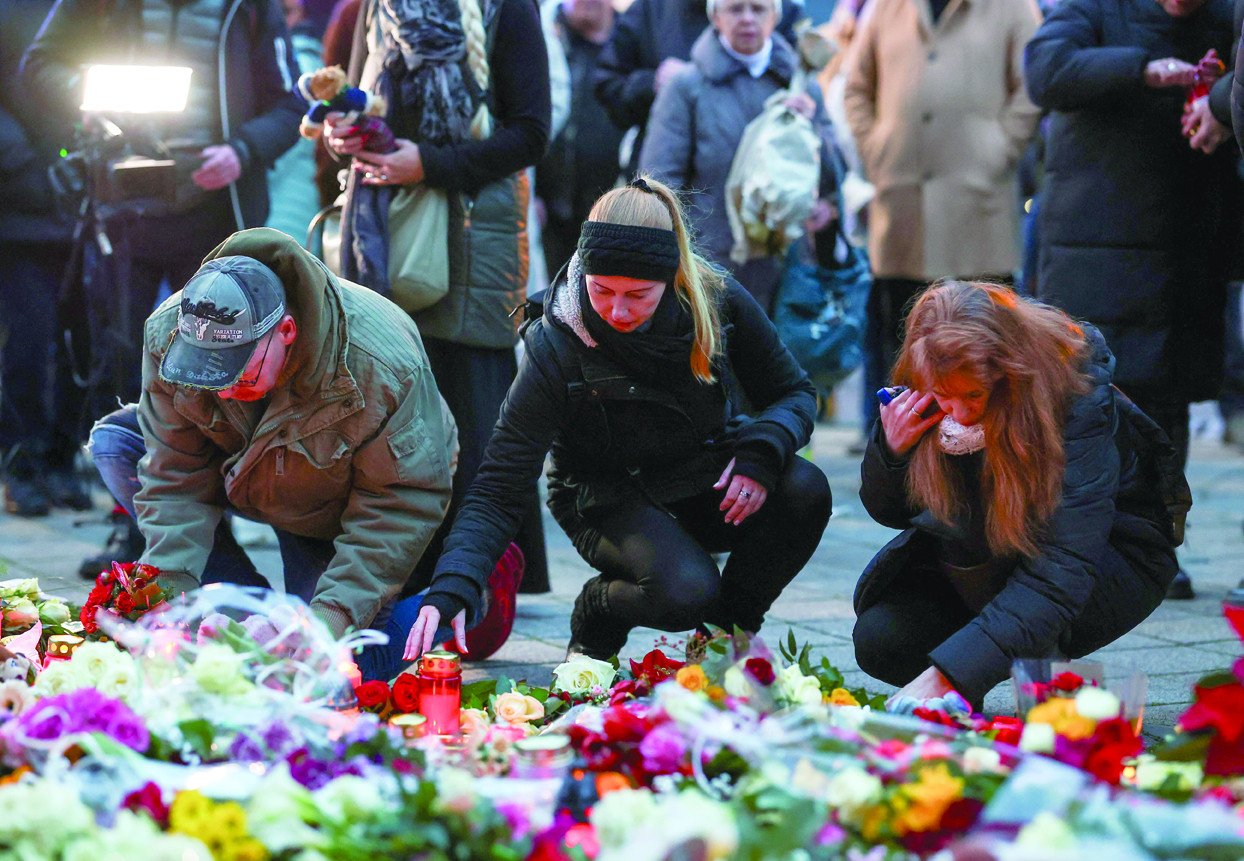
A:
{"points": [[415, 459]]}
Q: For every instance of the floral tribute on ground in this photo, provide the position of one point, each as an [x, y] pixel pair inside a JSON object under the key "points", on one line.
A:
{"points": [[229, 724]]}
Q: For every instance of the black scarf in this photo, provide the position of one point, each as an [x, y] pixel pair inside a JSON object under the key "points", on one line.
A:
{"points": [[660, 353]]}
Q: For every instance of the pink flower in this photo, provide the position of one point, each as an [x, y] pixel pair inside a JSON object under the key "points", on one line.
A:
{"points": [[935, 748], [663, 750]]}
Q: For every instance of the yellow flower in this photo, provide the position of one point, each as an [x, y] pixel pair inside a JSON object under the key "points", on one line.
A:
{"points": [[717, 694], [936, 790], [230, 818], [871, 821], [1061, 714], [246, 849], [1077, 727], [189, 812], [692, 677], [841, 697]]}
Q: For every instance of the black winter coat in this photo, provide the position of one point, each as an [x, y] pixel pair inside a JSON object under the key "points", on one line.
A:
{"points": [[262, 112], [615, 438], [1137, 229], [1110, 497], [28, 140]]}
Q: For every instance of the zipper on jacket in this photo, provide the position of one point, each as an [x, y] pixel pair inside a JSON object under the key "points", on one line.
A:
{"points": [[280, 461]]}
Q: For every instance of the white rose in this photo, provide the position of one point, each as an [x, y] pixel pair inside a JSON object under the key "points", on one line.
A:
{"points": [[274, 813], [517, 709], [1097, 704], [580, 674], [620, 814], [736, 684], [455, 790], [23, 588], [53, 612], [851, 789], [350, 798], [1037, 738], [798, 689], [58, 678], [982, 760], [15, 697], [94, 659]]}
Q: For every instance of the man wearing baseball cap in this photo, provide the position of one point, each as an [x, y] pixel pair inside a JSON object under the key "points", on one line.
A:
{"points": [[276, 391]]}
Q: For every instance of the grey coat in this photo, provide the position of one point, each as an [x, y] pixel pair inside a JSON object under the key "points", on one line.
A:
{"points": [[696, 125]]}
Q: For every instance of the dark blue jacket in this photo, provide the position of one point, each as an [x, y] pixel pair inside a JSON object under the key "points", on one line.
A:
{"points": [[261, 111], [28, 140], [1138, 231], [1111, 496]]}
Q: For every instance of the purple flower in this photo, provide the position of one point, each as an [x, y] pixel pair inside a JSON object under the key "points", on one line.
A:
{"points": [[515, 815], [278, 738], [129, 730], [246, 749], [309, 771], [831, 834], [662, 749], [47, 721]]}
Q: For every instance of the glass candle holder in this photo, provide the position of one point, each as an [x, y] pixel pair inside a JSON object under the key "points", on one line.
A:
{"points": [[542, 757], [440, 691]]}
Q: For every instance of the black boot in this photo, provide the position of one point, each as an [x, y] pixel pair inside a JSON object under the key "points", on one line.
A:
{"points": [[24, 494], [123, 544], [593, 629], [1181, 587], [66, 490]]}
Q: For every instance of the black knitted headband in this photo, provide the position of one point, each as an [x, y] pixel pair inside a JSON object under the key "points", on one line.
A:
{"points": [[648, 253]]}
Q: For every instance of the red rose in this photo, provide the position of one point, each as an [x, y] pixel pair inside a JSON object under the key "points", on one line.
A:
{"points": [[620, 724], [150, 799], [655, 667], [372, 695], [760, 670], [961, 815], [1224, 758], [1067, 682], [405, 693], [1106, 762], [87, 618], [124, 604], [1117, 732], [100, 593], [935, 716], [1007, 730]]}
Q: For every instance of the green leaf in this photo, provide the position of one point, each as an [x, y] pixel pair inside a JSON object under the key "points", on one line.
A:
{"points": [[200, 735]]}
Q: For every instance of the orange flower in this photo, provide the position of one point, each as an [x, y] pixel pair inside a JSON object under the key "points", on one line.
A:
{"points": [[692, 677], [841, 697], [717, 694], [935, 791]]}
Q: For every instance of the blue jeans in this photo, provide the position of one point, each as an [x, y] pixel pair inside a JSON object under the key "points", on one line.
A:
{"points": [[116, 446]]}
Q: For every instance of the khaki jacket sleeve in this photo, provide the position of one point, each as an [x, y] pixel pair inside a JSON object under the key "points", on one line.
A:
{"points": [[182, 496], [859, 96], [1019, 115], [402, 483]]}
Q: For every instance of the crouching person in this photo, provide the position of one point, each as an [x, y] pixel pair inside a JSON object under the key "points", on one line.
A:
{"points": [[273, 390], [674, 414], [1031, 491]]}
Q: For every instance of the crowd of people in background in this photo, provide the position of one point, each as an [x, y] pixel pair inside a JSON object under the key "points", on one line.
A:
{"points": [[1079, 153]]}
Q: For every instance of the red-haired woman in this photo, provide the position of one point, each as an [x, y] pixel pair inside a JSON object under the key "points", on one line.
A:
{"points": [[1028, 489]]}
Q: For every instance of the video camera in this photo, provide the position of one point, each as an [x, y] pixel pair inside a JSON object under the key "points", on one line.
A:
{"points": [[112, 165]]}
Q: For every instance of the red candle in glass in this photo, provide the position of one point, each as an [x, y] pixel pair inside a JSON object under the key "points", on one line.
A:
{"points": [[440, 691]]}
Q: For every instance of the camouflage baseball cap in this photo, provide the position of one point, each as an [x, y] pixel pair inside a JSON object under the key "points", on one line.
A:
{"points": [[226, 308]]}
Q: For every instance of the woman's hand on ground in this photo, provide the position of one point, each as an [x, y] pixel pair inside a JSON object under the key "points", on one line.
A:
{"points": [[403, 166], [744, 497], [1169, 72], [423, 633], [342, 137], [901, 421], [928, 685]]}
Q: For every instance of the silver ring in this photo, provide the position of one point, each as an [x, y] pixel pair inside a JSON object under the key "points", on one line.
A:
{"points": [[384, 177], [1170, 67], [746, 494], [912, 411]]}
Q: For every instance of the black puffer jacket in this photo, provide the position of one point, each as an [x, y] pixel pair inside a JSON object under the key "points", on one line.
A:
{"points": [[1111, 497], [1138, 230], [614, 438]]}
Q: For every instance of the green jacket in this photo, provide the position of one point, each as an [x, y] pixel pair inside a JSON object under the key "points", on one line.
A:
{"points": [[355, 446]]}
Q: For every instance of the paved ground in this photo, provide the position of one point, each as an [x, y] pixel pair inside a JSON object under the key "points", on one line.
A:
{"points": [[1174, 647]]}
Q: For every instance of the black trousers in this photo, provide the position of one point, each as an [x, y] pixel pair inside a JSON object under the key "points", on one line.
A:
{"points": [[659, 563], [894, 637]]}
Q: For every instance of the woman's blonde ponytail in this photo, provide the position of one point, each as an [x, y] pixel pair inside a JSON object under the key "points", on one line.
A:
{"points": [[477, 61]]}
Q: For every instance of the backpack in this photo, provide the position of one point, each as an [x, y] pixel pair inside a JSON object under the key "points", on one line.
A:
{"points": [[1158, 462]]}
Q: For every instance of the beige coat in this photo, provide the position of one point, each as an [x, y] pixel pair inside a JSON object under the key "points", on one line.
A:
{"points": [[941, 117]]}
